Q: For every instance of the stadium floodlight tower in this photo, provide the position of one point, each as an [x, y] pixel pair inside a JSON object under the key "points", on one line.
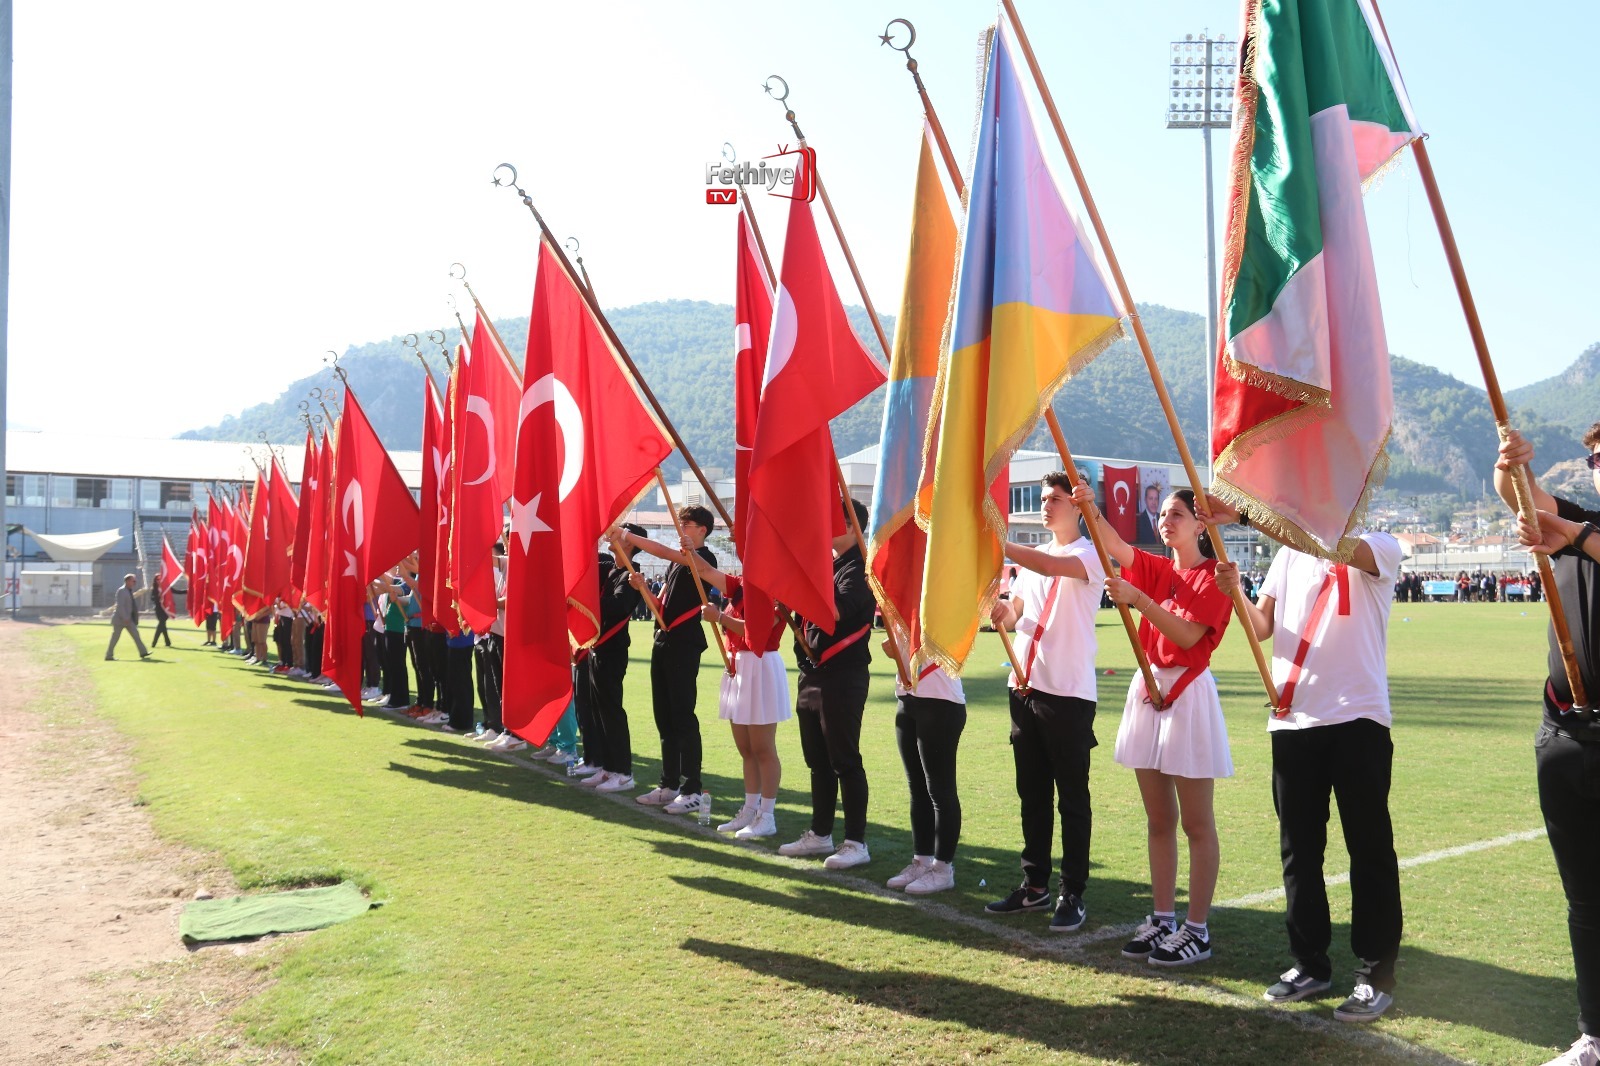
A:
{"points": [[1200, 91]]}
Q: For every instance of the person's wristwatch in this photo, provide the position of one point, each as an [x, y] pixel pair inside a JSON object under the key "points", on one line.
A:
{"points": [[1583, 535]]}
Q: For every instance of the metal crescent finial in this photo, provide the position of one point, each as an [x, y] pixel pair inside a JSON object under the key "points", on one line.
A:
{"points": [[782, 98], [887, 36], [450, 299], [572, 245], [461, 267], [316, 394], [305, 405], [509, 182], [436, 336], [729, 153], [316, 418], [410, 340]]}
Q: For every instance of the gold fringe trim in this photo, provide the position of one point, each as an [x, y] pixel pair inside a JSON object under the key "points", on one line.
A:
{"points": [[1246, 100], [1276, 384], [586, 613], [893, 620], [1271, 431]]}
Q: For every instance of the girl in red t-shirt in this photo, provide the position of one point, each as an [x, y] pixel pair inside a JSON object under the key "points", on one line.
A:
{"points": [[1177, 751]]}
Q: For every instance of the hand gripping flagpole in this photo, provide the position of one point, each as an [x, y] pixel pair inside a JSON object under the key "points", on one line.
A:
{"points": [[510, 181], [895, 651], [1239, 603], [1521, 476], [1152, 688], [694, 572]]}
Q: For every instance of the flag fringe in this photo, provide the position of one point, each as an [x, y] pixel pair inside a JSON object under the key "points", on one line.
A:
{"points": [[1277, 384], [1246, 99]]}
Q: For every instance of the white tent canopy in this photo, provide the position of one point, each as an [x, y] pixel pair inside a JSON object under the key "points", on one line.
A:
{"points": [[76, 547]]}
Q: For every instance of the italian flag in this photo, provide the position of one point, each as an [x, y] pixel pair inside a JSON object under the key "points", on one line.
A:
{"points": [[1303, 399]]}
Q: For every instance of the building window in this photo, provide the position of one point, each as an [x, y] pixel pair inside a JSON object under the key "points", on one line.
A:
{"points": [[90, 491], [176, 495], [119, 493], [1025, 499], [13, 489], [149, 494]]}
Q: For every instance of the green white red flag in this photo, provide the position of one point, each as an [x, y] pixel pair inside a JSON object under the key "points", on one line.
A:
{"points": [[1303, 365]]}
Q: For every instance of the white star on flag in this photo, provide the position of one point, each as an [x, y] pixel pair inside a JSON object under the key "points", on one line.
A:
{"points": [[525, 520]]}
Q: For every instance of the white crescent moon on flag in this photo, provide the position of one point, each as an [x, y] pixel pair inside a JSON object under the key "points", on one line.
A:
{"points": [[236, 557], [352, 502], [477, 405], [784, 328], [1120, 492], [568, 418], [741, 338]]}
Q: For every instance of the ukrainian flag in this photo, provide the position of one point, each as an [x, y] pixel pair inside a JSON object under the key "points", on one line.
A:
{"points": [[1032, 305]]}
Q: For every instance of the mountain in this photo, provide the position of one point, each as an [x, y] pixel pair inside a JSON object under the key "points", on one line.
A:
{"points": [[1443, 441], [1571, 398]]}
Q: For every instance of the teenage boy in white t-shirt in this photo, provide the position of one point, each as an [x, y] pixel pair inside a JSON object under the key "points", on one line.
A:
{"points": [[1329, 625], [1052, 608]]}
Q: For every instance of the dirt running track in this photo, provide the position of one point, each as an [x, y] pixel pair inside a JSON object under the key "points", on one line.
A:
{"points": [[91, 966]]}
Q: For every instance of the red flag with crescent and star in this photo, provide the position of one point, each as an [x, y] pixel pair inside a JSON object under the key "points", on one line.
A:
{"points": [[752, 330], [816, 370], [444, 599], [194, 564], [283, 515], [227, 561], [310, 466], [251, 589], [486, 443], [374, 526], [315, 589], [171, 571], [1122, 501], [429, 512]]}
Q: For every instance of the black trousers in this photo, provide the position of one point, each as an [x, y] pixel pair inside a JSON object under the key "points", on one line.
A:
{"points": [[589, 731], [396, 682], [490, 653], [371, 658], [435, 650], [1051, 737], [928, 732], [674, 678], [829, 707], [1352, 761], [1569, 796], [459, 678], [421, 665], [282, 630], [161, 631], [605, 673], [314, 634]]}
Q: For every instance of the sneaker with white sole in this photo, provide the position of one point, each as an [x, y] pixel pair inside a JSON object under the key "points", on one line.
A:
{"points": [[1146, 938], [372, 693], [1180, 948], [1025, 898], [615, 782], [1069, 915], [595, 780], [434, 718], [850, 853], [808, 844], [940, 876], [558, 755], [1366, 1004], [1585, 1052], [686, 803], [583, 769], [657, 797], [765, 825], [1294, 984], [510, 742], [746, 815], [909, 874], [490, 736]]}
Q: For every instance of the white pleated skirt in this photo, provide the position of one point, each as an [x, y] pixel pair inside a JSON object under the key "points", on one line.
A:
{"points": [[1188, 739], [758, 691]]}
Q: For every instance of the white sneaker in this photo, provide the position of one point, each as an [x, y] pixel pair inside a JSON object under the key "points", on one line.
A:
{"points": [[557, 755], [850, 853], [746, 815], [940, 876], [765, 825], [371, 693], [686, 803], [295, 671], [510, 742], [434, 718], [615, 783], [544, 752], [1586, 1052], [909, 874], [583, 769], [489, 737], [595, 780], [808, 844], [657, 797]]}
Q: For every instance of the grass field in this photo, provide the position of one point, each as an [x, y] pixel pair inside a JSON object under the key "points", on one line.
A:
{"points": [[529, 920]]}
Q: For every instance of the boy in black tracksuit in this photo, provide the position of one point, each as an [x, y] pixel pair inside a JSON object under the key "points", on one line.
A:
{"points": [[606, 665], [832, 696]]}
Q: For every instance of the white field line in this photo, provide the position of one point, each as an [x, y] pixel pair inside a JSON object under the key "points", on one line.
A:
{"points": [[1270, 895]]}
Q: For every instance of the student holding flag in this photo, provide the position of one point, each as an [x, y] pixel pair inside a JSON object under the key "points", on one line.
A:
{"points": [[1179, 749], [1052, 608]]}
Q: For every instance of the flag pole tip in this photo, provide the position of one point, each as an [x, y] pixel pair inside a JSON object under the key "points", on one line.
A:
{"points": [[887, 36]]}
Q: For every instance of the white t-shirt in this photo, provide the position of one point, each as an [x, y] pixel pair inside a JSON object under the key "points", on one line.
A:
{"points": [[1345, 674], [934, 685], [1064, 663]]}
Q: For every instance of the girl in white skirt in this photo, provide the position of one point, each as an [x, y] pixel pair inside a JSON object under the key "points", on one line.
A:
{"points": [[1179, 750], [755, 698]]}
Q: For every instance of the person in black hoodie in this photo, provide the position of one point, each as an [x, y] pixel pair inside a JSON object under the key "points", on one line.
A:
{"points": [[829, 706], [605, 666]]}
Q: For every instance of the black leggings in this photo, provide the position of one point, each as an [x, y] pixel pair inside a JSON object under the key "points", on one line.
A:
{"points": [[828, 708], [929, 731]]}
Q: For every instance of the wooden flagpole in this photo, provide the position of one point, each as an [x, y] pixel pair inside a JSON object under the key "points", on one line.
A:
{"points": [[1239, 602], [1152, 688], [699, 586], [649, 600], [1521, 476]]}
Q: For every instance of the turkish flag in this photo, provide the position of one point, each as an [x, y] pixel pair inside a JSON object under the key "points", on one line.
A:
{"points": [[485, 437], [438, 579], [194, 564], [752, 330], [252, 588], [316, 504], [816, 370], [374, 527], [299, 557], [227, 561], [283, 516], [171, 571], [1122, 500], [433, 452]]}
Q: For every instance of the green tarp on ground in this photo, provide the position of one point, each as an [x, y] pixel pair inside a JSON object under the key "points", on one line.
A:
{"points": [[277, 912]]}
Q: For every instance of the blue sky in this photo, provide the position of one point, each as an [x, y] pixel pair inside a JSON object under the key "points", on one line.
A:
{"points": [[214, 194]]}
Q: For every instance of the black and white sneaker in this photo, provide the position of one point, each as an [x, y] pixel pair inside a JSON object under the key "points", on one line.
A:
{"points": [[1180, 948], [1145, 939], [1366, 1003], [1026, 898], [1294, 985], [1070, 914]]}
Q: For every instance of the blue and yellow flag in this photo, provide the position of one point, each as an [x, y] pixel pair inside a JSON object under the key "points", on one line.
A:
{"points": [[1032, 306]]}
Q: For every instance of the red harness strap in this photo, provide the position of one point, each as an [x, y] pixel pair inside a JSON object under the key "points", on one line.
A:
{"points": [[1024, 683], [1338, 577], [687, 616], [834, 649]]}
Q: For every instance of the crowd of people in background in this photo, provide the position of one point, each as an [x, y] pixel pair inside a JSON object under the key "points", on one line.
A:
{"points": [[1480, 586]]}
